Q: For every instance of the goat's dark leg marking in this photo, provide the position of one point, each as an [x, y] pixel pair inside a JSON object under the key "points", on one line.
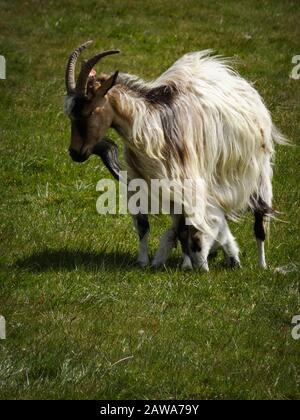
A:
{"points": [[142, 226], [196, 244], [183, 236], [260, 234], [259, 229], [261, 212]]}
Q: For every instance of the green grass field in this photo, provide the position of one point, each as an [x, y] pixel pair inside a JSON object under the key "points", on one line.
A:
{"points": [[83, 321]]}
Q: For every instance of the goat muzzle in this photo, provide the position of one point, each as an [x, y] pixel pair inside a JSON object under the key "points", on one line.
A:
{"points": [[77, 156]]}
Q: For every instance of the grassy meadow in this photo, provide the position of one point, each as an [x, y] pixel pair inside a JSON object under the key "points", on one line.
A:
{"points": [[83, 320]]}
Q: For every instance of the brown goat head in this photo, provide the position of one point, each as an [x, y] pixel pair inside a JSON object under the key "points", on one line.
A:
{"points": [[86, 104]]}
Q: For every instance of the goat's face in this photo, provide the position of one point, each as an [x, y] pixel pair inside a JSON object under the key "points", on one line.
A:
{"points": [[87, 105], [90, 119]]}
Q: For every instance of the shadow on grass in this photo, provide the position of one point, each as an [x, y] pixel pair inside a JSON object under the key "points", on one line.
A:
{"points": [[69, 260]]}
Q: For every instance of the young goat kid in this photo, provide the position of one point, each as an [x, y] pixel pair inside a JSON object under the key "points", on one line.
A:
{"points": [[198, 121]]}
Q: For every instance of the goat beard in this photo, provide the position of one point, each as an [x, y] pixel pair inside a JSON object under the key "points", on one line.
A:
{"points": [[108, 152]]}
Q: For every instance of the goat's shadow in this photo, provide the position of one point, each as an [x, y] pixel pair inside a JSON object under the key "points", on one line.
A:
{"points": [[93, 261], [70, 260]]}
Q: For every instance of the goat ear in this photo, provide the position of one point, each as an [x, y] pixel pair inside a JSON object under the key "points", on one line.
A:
{"points": [[107, 85], [100, 90]]}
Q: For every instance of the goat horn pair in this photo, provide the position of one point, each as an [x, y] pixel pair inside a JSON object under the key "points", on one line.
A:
{"points": [[79, 88]]}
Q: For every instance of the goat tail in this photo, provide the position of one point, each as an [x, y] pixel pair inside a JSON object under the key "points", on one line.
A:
{"points": [[278, 137]]}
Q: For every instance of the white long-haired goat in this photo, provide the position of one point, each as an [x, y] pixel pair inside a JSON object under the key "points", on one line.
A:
{"points": [[198, 121]]}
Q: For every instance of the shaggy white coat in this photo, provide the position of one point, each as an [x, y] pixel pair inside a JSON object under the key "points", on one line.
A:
{"points": [[225, 127]]}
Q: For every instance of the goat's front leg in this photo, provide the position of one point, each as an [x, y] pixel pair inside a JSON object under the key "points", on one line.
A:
{"points": [[168, 241], [179, 230], [141, 224]]}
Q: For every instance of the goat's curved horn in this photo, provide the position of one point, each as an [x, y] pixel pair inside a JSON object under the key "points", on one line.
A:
{"points": [[70, 70], [86, 69]]}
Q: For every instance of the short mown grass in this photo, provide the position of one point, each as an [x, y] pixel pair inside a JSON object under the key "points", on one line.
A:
{"points": [[83, 321]]}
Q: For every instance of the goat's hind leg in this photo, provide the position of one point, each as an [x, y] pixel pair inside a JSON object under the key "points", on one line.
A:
{"points": [[260, 234], [262, 213], [141, 224]]}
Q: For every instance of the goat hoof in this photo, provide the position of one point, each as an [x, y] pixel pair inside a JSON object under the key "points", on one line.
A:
{"points": [[143, 263], [157, 265], [234, 263], [264, 266], [202, 267], [187, 265]]}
